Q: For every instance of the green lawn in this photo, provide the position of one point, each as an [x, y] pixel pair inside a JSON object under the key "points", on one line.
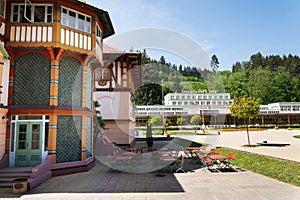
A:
{"points": [[282, 170], [297, 136]]}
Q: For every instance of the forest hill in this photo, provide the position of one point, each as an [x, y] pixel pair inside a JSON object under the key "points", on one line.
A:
{"points": [[270, 79]]}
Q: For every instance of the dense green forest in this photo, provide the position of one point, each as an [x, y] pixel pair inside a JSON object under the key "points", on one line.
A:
{"points": [[270, 79]]}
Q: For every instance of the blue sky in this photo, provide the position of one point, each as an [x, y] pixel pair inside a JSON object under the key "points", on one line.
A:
{"points": [[231, 29]]}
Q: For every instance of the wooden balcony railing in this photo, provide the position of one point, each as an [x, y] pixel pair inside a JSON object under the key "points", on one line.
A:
{"points": [[31, 33], [75, 38], [48, 33]]}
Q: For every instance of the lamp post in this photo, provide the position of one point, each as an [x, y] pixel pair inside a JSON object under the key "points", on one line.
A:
{"points": [[162, 92], [162, 104]]}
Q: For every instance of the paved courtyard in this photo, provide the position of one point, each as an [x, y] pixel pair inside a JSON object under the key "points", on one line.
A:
{"points": [[103, 183]]}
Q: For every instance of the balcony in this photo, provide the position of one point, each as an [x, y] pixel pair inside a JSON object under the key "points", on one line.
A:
{"points": [[49, 35], [75, 38]]}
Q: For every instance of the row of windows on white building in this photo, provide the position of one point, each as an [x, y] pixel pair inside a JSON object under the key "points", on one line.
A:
{"points": [[194, 99]]}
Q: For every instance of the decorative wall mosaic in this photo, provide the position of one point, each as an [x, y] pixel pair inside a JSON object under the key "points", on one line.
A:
{"points": [[32, 80], [70, 82], [88, 136], [68, 144]]}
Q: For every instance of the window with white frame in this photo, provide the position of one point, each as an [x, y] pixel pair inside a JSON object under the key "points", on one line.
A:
{"points": [[32, 13], [98, 33], [76, 20]]}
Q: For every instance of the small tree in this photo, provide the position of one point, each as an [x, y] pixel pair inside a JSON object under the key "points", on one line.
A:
{"points": [[100, 120], [214, 63], [181, 121], [156, 121], [196, 120], [245, 108]]}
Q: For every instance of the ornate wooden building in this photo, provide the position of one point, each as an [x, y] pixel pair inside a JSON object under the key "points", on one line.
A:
{"points": [[115, 87], [51, 44]]}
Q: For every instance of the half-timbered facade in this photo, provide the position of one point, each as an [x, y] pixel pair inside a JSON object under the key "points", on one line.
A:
{"points": [[115, 85]]}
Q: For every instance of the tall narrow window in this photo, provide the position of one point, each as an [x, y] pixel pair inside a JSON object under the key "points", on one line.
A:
{"points": [[72, 19], [49, 13], [15, 14], [39, 14], [88, 25], [98, 33], [81, 24], [64, 15]]}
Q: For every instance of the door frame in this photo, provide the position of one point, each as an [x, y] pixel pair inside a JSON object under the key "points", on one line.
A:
{"points": [[29, 151], [15, 119]]}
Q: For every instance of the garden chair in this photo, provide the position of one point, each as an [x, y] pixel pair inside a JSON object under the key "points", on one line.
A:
{"points": [[209, 164], [214, 152], [229, 161], [179, 164]]}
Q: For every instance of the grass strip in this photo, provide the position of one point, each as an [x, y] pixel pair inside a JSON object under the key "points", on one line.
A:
{"points": [[282, 170]]}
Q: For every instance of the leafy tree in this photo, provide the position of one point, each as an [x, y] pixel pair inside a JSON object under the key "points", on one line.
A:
{"points": [[273, 62], [295, 90], [145, 59], [215, 82], [162, 60], [257, 60], [281, 87], [259, 84], [214, 63], [236, 67], [156, 121], [199, 86], [196, 120], [237, 84], [180, 68], [181, 121], [149, 94], [245, 108]]}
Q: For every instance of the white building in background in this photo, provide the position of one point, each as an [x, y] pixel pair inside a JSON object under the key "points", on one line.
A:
{"points": [[281, 108], [189, 103], [214, 108], [202, 98]]}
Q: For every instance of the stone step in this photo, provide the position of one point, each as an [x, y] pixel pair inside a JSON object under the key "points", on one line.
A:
{"points": [[8, 175], [6, 185], [15, 175], [17, 170]]}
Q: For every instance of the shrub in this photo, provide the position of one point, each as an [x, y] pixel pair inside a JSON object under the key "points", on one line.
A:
{"points": [[181, 121], [196, 120], [156, 121]]}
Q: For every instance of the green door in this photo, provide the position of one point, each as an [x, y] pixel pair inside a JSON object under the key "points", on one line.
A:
{"points": [[29, 144]]}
